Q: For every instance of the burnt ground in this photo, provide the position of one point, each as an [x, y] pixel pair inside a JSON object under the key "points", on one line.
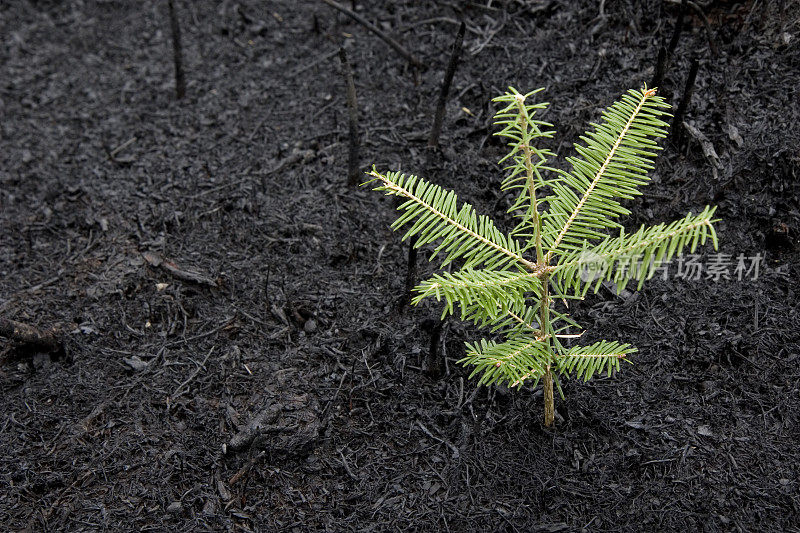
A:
{"points": [[290, 322]]}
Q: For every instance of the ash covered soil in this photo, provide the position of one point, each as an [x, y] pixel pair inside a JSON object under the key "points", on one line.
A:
{"points": [[234, 354]]}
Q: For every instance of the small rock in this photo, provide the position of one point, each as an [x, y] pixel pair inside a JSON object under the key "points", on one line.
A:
{"points": [[310, 326], [705, 431], [41, 361], [224, 493], [705, 386], [210, 508], [135, 363], [175, 507]]}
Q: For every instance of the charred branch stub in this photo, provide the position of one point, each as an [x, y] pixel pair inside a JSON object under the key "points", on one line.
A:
{"points": [[688, 90], [177, 51], [676, 34], [698, 9], [665, 52], [661, 65], [352, 120], [448, 80], [435, 366]]}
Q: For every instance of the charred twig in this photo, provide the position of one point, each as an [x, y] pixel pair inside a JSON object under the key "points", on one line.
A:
{"points": [[30, 336], [312, 64], [433, 20], [112, 154], [336, 395], [298, 155], [411, 269], [347, 467], [202, 366], [177, 52], [489, 34], [446, 442], [448, 80], [157, 260], [665, 54], [245, 436], [677, 120], [246, 468], [661, 66], [706, 24], [371, 27], [676, 34], [122, 147], [352, 119]]}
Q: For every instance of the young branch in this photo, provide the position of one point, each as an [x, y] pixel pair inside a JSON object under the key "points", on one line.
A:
{"points": [[600, 172], [400, 191]]}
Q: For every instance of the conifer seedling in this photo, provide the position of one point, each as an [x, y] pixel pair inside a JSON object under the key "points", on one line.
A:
{"points": [[567, 240]]}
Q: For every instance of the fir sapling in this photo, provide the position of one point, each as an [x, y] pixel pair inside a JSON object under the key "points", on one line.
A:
{"points": [[567, 241]]}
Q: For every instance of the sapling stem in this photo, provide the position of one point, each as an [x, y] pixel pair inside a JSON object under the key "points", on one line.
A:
{"points": [[544, 304], [441, 105], [549, 403], [177, 51], [547, 382], [352, 120]]}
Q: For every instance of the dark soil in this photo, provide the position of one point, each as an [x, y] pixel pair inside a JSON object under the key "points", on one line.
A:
{"points": [[234, 356]]}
